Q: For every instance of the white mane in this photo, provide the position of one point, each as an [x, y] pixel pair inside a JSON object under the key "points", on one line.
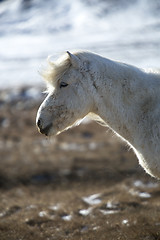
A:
{"points": [[125, 97], [55, 70]]}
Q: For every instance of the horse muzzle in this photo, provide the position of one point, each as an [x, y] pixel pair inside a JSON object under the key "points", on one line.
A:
{"points": [[44, 130]]}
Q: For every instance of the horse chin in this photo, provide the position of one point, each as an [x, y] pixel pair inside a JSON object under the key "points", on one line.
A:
{"points": [[74, 124], [56, 131], [52, 132]]}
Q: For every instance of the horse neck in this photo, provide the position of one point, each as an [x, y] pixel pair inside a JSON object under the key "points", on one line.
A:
{"points": [[119, 90]]}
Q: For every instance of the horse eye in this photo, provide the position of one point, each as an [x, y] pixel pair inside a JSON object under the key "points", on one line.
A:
{"points": [[63, 84]]}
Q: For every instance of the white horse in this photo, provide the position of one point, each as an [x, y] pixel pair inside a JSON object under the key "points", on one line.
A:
{"points": [[126, 98]]}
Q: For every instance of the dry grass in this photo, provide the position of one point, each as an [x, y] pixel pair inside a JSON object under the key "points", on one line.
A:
{"points": [[43, 183]]}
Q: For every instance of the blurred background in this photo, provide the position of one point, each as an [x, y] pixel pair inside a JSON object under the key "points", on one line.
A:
{"points": [[30, 30], [84, 183]]}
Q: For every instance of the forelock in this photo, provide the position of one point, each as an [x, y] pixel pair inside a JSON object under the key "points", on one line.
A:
{"points": [[55, 70]]}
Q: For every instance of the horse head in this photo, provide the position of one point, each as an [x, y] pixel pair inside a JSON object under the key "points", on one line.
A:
{"points": [[68, 98]]}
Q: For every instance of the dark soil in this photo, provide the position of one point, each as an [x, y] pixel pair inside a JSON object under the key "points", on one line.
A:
{"points": [[83, 184]]}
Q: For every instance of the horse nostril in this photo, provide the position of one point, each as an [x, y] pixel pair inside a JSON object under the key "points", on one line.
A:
{"points": [[46, 129], [43, 129], [39, 123]]}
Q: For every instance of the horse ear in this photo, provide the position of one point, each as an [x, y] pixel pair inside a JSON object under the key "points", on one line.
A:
{"points": [[74, 60]]}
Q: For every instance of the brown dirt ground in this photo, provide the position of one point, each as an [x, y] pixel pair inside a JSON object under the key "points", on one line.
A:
{"points": [[47, 186]]}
